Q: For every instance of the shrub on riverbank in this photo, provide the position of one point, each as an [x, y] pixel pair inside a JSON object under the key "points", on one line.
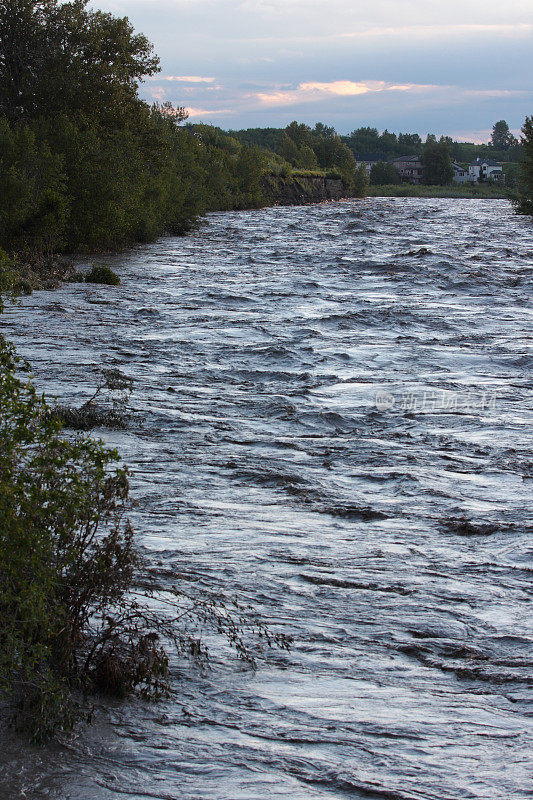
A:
{"points": [[79, 611], [102, 274]]}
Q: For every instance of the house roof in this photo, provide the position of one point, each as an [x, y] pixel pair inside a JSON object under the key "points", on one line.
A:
{"points": [[406, 158], [488, 161]]}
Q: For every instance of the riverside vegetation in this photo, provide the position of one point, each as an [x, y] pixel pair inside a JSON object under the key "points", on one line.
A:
{"points": [[524, 202]]}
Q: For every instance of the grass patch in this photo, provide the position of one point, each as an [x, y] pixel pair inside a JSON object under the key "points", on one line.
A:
{"points": [[410, 190]]}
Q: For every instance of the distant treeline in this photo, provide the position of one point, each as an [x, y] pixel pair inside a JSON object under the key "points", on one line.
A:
{"points": [[368, 144]]}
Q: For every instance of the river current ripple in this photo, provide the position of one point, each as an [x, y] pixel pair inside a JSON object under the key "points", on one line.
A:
{"points": [[336, 425]]}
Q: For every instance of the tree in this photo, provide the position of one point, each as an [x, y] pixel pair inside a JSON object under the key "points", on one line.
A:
{"points": [[33, 202], [63, 58], [388, 142], [300, 134], [409, 143], [248, 170], [360, 181], [307, 158], [321, 129], [437, 164], [288, 150], [384, 173], [525, 203], [502, 138], [364, 142]]}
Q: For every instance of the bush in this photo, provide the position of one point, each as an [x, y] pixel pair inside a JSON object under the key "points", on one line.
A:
{"points": [[102, 274], [8, 275], [72, 613], [360, 182], [113, 393]]}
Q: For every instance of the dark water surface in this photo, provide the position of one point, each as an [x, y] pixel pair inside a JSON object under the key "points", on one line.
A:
{"points": [[338, 429]]}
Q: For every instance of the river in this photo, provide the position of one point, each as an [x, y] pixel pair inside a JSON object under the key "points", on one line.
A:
{"points": [[333, 419]]}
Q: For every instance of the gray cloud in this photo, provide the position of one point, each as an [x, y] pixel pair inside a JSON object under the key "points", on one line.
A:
{"points": [[265, 62]]}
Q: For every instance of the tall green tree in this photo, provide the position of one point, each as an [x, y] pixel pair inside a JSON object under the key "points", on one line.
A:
{"points": [[288, 150], [409, 143], [525, 202], [502, 138], [65, 58], [360, 181], [364, 141], [299, 133], [437, 163], [383, 173]]}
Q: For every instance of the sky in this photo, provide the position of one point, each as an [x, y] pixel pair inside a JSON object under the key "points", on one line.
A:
{"points": [[416, 66]]}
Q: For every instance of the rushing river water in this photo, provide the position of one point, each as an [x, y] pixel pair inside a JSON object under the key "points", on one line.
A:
{"points": [[336, 424]]}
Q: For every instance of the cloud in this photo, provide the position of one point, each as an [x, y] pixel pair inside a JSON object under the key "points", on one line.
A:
{"points": [[157, 93], [478, 136], [341, 88], [206, 112], [312, 91], [495, 93], [423, 31], [402, 65], [185, 78]]}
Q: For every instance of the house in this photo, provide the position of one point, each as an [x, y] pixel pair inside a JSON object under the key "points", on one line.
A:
{"points": [[367, 165], [484, 169], [460, 174], [409, 168]]}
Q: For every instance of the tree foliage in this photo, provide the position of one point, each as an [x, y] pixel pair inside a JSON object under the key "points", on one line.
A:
{"points": [[368, 144], [86, 165], [360, 182], [437, 164], [62, 58], [502, 138], [320, 148], [384, 173], [525, 181]]}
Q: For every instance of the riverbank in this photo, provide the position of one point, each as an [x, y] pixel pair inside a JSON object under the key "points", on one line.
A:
{"points": [[479, 192], [298, 189]]}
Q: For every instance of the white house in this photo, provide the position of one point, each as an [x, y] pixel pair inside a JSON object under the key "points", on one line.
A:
{"points": [[367, 165], [460, 174], [483, 169]]}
